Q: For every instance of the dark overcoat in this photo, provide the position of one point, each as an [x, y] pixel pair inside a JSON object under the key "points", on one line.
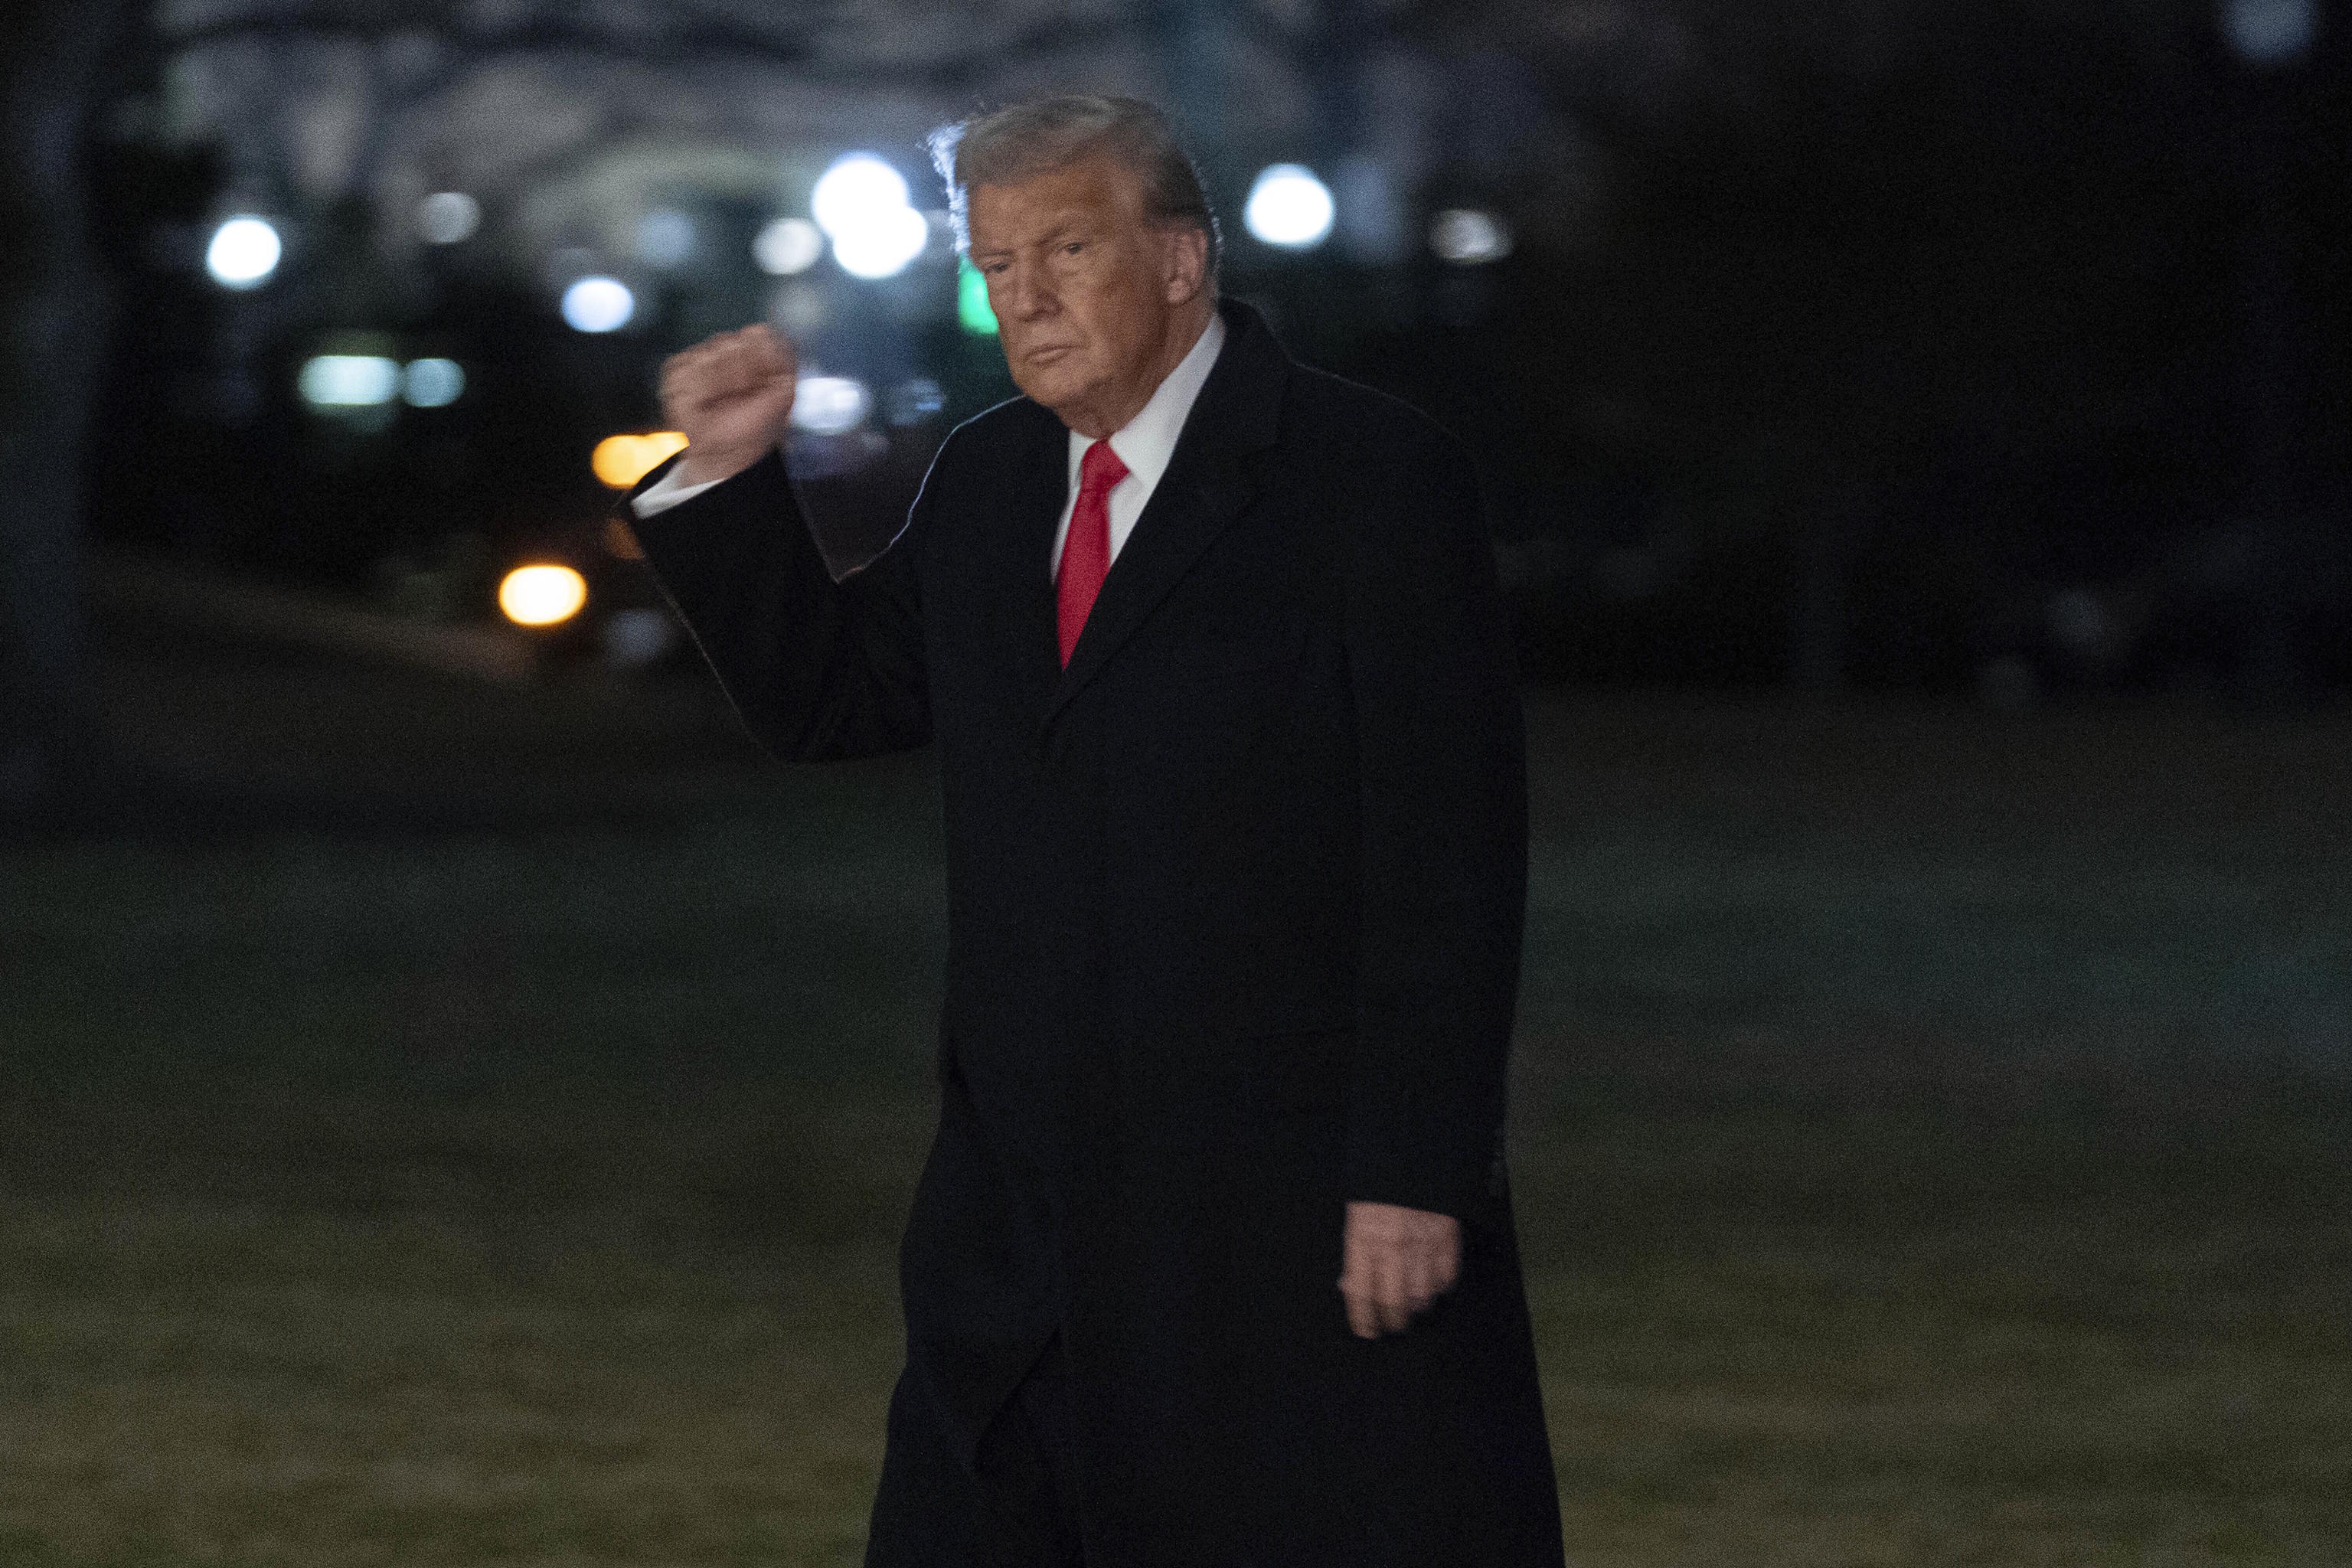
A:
{"points": [[1235, 906]]}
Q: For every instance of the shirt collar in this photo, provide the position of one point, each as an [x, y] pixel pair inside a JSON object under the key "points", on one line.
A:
{"points": [[1146, 442]]}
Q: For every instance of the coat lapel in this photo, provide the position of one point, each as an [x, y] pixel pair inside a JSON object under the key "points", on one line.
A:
{"points": [[1210, 479], [1027, 592]]}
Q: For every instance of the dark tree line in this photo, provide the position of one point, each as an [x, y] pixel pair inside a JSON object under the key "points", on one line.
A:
{"points": [[56, 302], [1895, 301]]}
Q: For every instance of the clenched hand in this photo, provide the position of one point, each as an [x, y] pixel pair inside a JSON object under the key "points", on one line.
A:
{"points": [[1394, 1262], [730, 396]]}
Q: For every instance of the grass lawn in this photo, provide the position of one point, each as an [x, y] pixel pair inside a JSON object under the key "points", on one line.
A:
{"points": [[1929, 1131]]}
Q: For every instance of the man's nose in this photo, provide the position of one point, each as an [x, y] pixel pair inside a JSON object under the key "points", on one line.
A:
{"points": [[1031, 295]]}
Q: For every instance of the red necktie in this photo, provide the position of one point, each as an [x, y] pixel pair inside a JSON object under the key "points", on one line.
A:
{"points": [[1086, 553]]}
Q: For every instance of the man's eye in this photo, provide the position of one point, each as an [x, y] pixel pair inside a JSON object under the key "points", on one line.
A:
{"points": [[1074, 248]]}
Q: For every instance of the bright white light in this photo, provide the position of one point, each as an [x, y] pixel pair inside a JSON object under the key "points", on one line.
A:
{"points": [[446, 217], [829, 404], [882, 244], [1466, 237], [541, 596], [665, 238], [787, 245], [433, 383], [348, 380], [243, 253], [861, 204], [856, 188], [2270, 32], [599, 304], [1289, 207]]}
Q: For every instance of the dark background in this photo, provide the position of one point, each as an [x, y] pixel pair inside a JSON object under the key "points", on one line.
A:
{"points": [[458, 1101]]}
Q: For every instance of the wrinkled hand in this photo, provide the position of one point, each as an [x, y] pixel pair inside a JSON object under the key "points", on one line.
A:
{"points": [[1394, 1262], [731, 397]]}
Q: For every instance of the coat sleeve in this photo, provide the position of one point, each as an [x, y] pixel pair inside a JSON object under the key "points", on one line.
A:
{"points": [[1443, 810], [818, 669]]}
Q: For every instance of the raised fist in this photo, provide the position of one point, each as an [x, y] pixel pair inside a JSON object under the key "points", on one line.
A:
{"points": [[731, 397]]}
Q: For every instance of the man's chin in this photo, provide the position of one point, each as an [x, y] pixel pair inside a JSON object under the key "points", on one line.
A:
{"points": [[1051, 384]]}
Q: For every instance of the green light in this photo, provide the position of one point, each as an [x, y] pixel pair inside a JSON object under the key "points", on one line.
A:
{"points": [[972, 302]]}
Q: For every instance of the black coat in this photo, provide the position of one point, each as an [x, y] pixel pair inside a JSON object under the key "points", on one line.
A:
{"points": [[1234, 918]]}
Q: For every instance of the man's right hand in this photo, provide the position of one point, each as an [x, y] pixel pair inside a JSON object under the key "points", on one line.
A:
{"points": [[730, 396]]}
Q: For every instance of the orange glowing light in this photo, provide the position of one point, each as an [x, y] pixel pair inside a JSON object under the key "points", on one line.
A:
{"points": [[541, 596], [622, 460]]}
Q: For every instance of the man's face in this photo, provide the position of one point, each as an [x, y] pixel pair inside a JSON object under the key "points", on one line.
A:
{"points": [[1087, 290]]}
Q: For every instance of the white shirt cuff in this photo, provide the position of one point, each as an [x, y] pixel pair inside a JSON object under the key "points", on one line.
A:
{"points": [[668, 491]]}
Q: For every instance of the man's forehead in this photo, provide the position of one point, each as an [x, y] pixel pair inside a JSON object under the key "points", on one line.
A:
{"points": [[1090, 191]]}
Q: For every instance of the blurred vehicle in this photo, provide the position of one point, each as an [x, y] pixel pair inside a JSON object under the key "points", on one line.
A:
{"points": [[409, 438]]}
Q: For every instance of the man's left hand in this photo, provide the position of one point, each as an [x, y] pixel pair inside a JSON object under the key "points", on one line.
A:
{"points": [[1395, 1261]]}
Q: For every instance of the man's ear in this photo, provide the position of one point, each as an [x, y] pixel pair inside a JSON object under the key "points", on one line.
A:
{"points": [[1184, 262]]}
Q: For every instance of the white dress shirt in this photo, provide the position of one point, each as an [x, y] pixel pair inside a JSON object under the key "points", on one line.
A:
{"points": [[1144, 443]]}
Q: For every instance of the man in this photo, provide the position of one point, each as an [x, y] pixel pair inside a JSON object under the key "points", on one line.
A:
{"points": [[1233, 776]]}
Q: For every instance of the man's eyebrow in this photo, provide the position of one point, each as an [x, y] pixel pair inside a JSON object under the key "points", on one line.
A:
{"points": [[1075, 222]]}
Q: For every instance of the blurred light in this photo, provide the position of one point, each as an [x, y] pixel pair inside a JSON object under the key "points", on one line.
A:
{"points": [[2270, 32], [973, 308], [787, 245], [1289, 207], [446, 217], [433, 383], [599, 304], [635, 637], [665, 238], [884, 245], [861, 205], [913, 401], [622, 460], [853, 190], [348, 380], [829, 404], [1467, 237], [244, 252], [541, 596]]}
